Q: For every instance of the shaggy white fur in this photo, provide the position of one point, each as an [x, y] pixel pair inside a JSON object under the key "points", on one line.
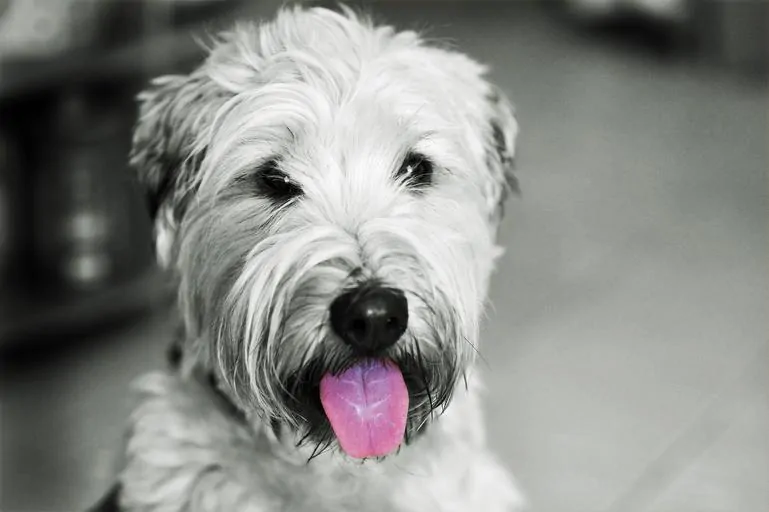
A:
{"points": [[305, 156], [186, 453]]}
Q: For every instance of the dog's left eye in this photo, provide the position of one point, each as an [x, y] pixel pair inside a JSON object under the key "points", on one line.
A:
{"points": [[275, 184], [416, 171]]}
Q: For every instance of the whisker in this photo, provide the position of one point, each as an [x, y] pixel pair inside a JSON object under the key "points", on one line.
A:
{"points": [[304, 438], [315, 452], [320, 448], [477, 352], [423, 375]]}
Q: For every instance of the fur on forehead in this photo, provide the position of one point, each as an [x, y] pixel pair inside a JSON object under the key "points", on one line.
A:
{"points": [[298, 76]]}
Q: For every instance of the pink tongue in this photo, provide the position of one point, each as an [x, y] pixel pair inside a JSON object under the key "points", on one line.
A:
{"points": [[367, 407]]}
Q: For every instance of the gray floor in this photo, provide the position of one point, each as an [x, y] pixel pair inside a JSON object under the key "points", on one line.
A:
{"points": [[627, 355]]}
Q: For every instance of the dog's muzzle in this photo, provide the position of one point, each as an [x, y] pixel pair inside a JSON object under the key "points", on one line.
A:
{"points": [[367, 404], [371, 386]]}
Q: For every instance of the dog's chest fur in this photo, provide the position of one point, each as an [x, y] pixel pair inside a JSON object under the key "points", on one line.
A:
{"points": [[187, 452]]}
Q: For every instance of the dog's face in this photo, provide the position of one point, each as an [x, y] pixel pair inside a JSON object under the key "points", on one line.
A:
{"points": [[327, 193]]}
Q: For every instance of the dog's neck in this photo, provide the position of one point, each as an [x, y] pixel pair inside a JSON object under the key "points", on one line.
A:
{"points": [[186, 432]]}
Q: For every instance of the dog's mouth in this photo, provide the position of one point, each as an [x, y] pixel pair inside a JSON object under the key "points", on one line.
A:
{"points": [[370, 406], [367, 406]]}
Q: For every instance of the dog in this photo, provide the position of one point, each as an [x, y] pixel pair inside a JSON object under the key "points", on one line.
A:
{"points": [[326, 193]]}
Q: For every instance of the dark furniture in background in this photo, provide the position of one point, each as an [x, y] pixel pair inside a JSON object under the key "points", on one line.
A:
{"points": [[725, 34], [75, 250]]}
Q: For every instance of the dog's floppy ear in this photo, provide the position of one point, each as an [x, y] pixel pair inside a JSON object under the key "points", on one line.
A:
{"points": [[500, 149], [168, 141]]}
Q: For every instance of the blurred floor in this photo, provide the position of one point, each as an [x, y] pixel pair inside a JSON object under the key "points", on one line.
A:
{"points": [[627, 353]]}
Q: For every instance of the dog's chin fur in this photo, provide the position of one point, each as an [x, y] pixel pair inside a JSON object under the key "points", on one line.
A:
{"points": [[335, 106], [186, 452]]}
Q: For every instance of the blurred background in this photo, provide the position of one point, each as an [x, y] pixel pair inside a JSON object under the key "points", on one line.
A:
{"points": [[626, 355]]}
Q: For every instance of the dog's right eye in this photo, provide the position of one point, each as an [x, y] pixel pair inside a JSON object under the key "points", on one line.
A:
{"points": [[416, 171], [275, 184]]}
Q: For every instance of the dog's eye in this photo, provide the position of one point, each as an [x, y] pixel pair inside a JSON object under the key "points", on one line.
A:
{"points": [[416, 171], [275, 184]]}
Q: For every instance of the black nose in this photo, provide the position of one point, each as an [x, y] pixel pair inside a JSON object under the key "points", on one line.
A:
{"points": [[370, 319]]}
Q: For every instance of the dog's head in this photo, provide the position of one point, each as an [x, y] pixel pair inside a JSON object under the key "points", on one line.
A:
{"points": [[327, 193]]}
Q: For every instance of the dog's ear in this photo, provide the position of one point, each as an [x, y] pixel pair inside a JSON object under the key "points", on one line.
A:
{"points": [[500, 149], [169, 143]]}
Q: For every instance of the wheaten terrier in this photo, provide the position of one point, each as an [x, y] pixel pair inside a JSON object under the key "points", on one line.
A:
{"points": [[327, 194]]}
